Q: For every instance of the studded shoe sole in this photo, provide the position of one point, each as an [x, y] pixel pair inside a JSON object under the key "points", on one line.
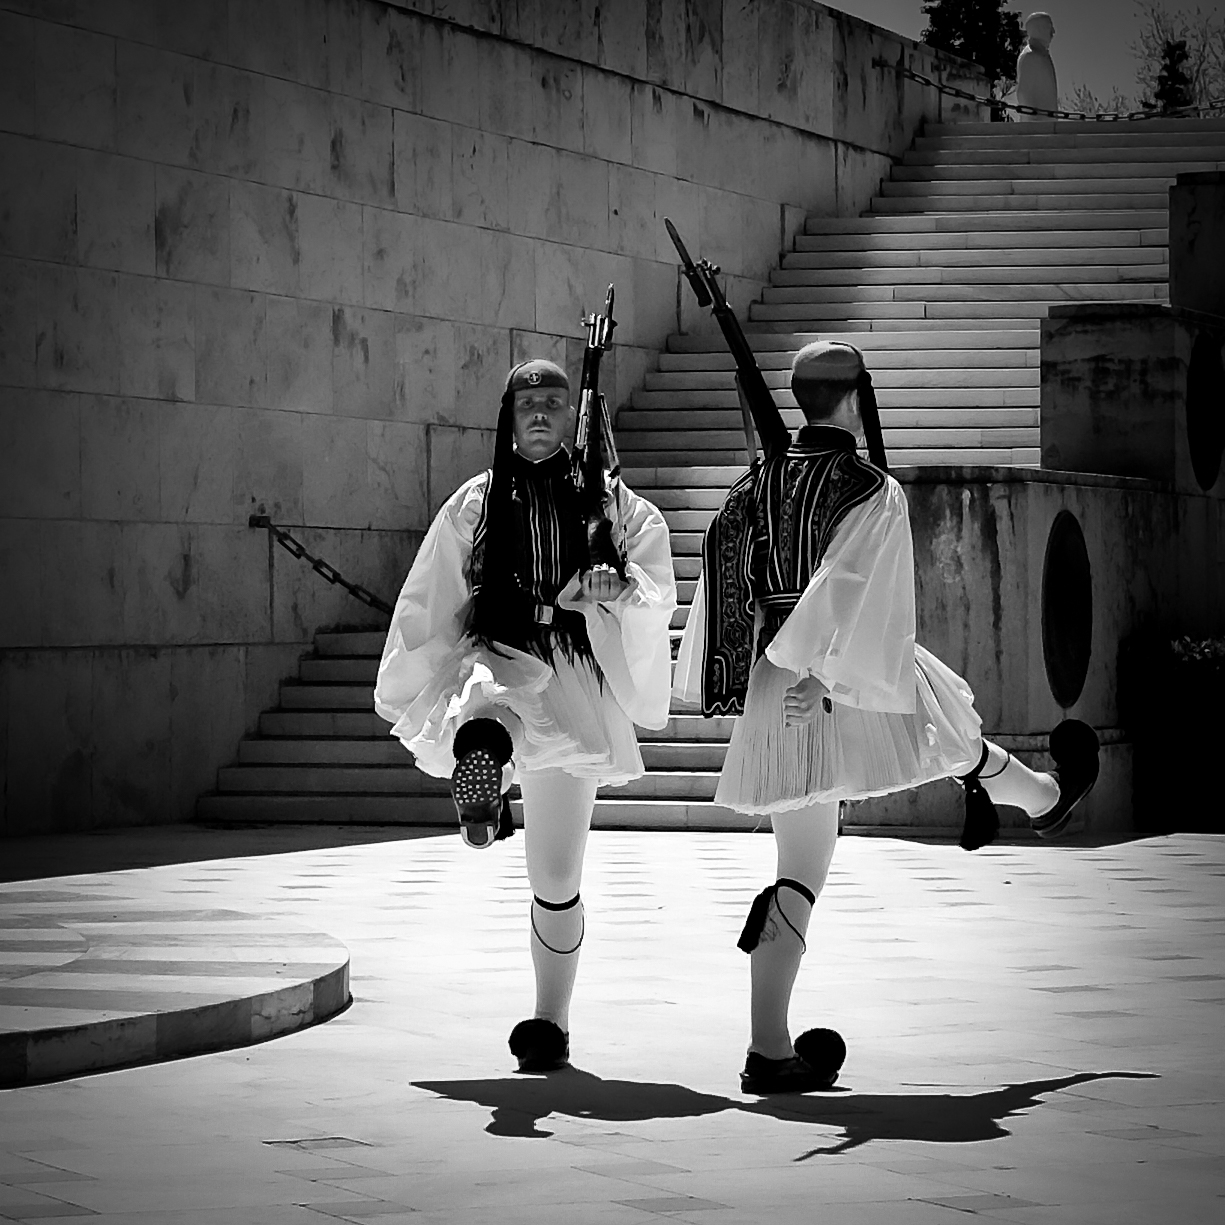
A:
{"points": [[476, 788]]}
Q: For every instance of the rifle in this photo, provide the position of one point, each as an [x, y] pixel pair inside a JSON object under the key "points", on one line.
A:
{"points": [[593, 430], [775, 437]]}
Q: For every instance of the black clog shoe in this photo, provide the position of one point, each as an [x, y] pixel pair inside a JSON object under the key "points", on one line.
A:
{"points": [[539, 1046], [1074, 749]]}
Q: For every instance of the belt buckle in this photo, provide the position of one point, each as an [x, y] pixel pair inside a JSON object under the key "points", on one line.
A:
{"points": [[544, 614]]}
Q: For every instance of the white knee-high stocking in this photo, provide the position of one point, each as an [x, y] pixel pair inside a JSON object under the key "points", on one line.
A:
{"points": [[805, 839], [774, 963], [1009, 781], [557, 935], [556, 817]]}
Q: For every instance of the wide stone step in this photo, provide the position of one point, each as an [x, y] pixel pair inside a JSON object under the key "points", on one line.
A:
{"points": [[631, 436], [929, 202], [828, 315], [702, 420], [722, 441], [925, 457], [931, 244], [941, 188], [323, 723], [938, 319], [882, 360], [338, 669], [930, 153], [1069, 255], [383, 751], [884, 377], [296, 696], [1049, 171], [764, 344], [675, 755], [984, 274], [962, 291], [363, 642], [1041, 220], [1039, 131]]}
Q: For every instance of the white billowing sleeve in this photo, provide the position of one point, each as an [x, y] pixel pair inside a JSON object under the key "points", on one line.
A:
{"points": [[629, 635], [854, 626], [428, 619], [687, 683]]}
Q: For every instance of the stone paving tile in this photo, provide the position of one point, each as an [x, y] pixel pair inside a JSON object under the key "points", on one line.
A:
{"points": [[1043, 1056]]}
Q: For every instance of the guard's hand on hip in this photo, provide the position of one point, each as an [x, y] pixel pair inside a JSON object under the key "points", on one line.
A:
{"points": [[602, 583], [804, 701]]}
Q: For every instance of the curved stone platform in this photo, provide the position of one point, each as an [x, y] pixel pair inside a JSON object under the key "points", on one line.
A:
{"points": [[93, 978]]}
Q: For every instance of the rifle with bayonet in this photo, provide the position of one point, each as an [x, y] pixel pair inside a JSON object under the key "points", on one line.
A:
{"points": [[775, 437], [594, 448], [702, 277]]}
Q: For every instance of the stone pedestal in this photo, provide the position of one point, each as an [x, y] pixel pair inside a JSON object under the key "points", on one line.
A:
{"points": [[1135, 389], [1197, 242]]}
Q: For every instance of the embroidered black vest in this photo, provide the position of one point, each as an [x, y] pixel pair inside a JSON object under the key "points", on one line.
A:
{"points": [[548, 550], [764, 546]]}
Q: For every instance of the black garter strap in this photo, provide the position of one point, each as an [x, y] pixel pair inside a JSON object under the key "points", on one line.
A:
{"points": [[982, 823], [755, 924], [555, 907], [570, 905]]}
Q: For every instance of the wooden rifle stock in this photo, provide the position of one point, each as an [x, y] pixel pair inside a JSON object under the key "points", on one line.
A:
{"points": [[775, 437]]}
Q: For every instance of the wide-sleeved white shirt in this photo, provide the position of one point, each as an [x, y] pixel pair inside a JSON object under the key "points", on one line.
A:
{"points": [[629, 635], [854, 626]]}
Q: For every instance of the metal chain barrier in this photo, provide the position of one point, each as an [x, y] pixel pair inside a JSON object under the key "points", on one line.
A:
{"points": [[1182, 112], [296, 548]]}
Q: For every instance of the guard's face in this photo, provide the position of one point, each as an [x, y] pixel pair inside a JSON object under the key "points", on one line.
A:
{"points": [[543, 421]]}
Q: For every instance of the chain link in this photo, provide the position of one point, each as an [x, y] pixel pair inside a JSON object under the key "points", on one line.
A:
{"points": [[1182, 112], [295, 548]]}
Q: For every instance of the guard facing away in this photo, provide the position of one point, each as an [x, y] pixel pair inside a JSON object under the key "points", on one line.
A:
{"points": [[530, 636], [804, 625]]}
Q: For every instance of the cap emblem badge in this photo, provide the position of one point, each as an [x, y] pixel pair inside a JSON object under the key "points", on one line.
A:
{"points": [[533, 378]]}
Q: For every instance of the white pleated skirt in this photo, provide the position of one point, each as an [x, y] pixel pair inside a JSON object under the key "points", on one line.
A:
{"points": [[846, 754], [566, 720]]}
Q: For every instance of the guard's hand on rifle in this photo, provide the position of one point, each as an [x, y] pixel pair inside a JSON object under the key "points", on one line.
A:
{"points": [[803, 701], [602, 583]]}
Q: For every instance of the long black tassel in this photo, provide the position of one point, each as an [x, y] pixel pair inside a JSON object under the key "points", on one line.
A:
{"points": [[506, 824], [755, 924], [982, 823], [869, 414]]}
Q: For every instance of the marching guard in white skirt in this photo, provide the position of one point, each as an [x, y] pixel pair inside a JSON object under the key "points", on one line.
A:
{"points": [[804, 623], [508, 660]]}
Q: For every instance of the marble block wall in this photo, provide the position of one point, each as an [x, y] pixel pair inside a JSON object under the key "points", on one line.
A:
{"points": [[276, 258]]}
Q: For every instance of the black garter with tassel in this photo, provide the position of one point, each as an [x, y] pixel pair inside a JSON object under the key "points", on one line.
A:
{"points": [[982, 824], [755, 924]]}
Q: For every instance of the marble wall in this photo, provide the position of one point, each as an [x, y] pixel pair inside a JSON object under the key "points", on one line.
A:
{"points": [[276, 258]]}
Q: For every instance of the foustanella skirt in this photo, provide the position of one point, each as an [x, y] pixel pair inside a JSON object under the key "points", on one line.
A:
{"points": [[564, 717], [847, 753]]}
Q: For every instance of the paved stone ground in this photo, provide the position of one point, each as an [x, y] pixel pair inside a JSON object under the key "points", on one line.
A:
{"points": [[1034, 1033]]}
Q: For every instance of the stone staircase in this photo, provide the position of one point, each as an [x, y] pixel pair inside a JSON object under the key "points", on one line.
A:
{"points": [[943, 284]]}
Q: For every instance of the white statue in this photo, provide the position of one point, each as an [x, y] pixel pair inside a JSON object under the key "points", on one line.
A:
{"points": [[1036, 84]]}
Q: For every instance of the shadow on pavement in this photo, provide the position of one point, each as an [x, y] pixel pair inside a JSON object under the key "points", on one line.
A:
{"points": [[109, 850], [519, 1103]]}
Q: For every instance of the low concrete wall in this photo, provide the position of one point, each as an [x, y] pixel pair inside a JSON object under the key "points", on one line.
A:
{"points": [[277, 257], [984, 589]]}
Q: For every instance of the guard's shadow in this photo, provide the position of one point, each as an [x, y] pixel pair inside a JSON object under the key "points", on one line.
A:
{"points": [[520, 1103]]}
